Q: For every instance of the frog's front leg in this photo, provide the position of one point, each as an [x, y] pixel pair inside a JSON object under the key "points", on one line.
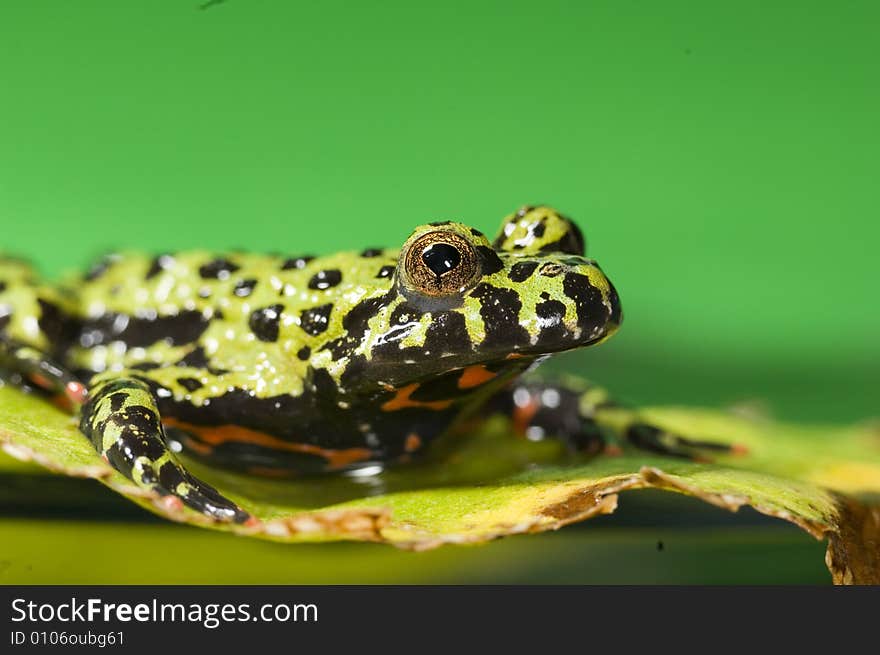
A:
{"points": [[122, 421], [40, 369], [586, 419]]}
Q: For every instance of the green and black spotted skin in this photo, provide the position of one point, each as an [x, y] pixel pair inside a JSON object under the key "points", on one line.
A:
{"points": [[275, 364]]}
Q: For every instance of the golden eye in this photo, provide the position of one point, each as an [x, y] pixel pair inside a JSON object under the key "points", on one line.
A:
{"points": [[440, 263]]}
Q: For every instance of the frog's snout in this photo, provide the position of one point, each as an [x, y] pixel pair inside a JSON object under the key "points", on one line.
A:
{"points": [[571, 302]]}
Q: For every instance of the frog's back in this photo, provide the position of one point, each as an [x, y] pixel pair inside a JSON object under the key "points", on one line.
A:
{"points": [[134, 310]]}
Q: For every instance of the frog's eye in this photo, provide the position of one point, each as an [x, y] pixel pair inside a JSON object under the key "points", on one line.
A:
{"points": [[440, 263]]}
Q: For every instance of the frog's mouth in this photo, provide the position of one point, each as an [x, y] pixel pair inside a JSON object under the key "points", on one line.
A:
{"points": [[459, 372]]}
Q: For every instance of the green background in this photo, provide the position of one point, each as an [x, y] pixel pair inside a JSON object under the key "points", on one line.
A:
{"points": [[721, 158]]}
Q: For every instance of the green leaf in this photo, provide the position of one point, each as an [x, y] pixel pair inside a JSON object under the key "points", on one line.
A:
{"points": [[825, 479]]}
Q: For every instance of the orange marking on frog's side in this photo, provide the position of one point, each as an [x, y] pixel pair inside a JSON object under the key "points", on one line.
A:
{"points": [[514, 356], [522, 416], [40, 380], [197, 446], [74, 393], [266, 472], [402, 399], [77, 392], [413, 442], [220, 434], [62, 402], [474, 376]]}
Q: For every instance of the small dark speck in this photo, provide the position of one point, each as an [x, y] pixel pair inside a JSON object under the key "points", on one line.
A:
{"points": [[296, 262], [385, 271], [659, 546], [210, 3], [687, 51]]}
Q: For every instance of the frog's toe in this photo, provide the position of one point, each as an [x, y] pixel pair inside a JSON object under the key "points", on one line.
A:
{"points": [[654, 439], [178, 487]]}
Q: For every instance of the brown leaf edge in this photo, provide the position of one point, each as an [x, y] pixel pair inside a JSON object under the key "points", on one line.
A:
{"points": [[853, 553], [852, 556]]}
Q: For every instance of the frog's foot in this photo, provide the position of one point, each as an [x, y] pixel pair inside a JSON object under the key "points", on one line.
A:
{"points": [[544, 410], [122, 421], [656, 440], [586, 419], [40, 370]]}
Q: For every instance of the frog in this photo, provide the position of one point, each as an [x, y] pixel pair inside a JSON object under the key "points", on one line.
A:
{"points": [[277, 365]]}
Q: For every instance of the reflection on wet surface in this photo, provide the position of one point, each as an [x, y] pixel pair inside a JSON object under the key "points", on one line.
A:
{"points": [[483, 458]]}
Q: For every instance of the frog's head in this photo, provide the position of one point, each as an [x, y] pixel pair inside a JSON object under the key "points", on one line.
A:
{"points": [[458, 301]]}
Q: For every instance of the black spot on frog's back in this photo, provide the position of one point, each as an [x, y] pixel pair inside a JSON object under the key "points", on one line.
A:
{"points": [[522, 271], [159, 264], [217, 269], [264, 322], [197, 359], [296, 263], [100, 267], [315, 320], [190, 384], [145, 366], [244, 288], [325, 279]]}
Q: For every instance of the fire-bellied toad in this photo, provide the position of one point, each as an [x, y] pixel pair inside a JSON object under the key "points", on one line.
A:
{"points": [[274, 364]]}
